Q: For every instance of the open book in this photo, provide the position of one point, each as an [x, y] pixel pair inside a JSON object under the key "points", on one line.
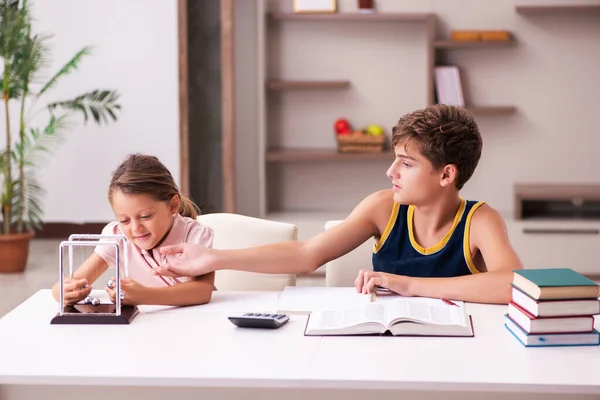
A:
{"points": [[408, 316]]}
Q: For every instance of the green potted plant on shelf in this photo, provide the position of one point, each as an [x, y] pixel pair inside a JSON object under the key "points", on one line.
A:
{"points": [[25, 58]]}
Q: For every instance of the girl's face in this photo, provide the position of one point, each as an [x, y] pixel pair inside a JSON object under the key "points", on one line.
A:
{"points": [[142, 219]]}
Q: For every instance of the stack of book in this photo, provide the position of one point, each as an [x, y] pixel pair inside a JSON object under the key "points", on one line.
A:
{"points": [[553, 307]]}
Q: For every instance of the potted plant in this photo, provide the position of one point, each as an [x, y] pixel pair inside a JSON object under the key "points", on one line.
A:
{"points": [[24, 55]]}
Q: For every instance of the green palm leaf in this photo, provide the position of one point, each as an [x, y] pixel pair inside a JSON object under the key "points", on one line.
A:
{"points": [[32, 194], [69, 67], [13, 33], [33, 57], [32, 149], [100, 104]]}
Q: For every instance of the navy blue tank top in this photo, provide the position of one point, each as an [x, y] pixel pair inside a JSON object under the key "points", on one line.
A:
{"points": [[397, 252]]}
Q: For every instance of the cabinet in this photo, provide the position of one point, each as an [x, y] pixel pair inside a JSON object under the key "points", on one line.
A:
{"points": [[557, 244], [557, 226]]}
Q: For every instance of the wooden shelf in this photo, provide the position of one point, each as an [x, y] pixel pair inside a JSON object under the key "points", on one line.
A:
{"points": [[492, 110], [354, 17], [308, 155], [557, 191], [451, 44], [559, 10], [285, 85]]}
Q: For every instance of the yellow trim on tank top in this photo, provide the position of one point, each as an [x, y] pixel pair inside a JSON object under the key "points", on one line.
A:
{"points": [[440, 245], [378, 244], [466, 244]]}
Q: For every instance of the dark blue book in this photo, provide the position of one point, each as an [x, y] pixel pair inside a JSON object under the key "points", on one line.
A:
{"points": [[554, 284], [550, 340]]}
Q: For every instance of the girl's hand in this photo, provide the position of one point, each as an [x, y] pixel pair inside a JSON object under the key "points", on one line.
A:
{"points": [[135, 293], [76, 290]]}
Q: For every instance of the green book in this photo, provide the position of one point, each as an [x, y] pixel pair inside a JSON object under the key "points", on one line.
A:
{"points": [[555, 283]]}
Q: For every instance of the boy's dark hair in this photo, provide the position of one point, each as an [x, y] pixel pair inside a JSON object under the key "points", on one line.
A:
{"points": [[444, 135], [143, 174]]}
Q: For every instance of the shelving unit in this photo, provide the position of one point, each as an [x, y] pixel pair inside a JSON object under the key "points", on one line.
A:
{"points": [[451, 44], [285, 159], [353, 17], [559, 10], [290, 85], [276, 161], [443, 45], [309, 155]]}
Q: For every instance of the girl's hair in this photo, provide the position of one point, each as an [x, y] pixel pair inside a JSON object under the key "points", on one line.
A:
{"points": [[143, 174]]}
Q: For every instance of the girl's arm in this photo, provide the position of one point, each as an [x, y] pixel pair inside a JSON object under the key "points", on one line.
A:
{"points": [[195, 292], [87, 274]]}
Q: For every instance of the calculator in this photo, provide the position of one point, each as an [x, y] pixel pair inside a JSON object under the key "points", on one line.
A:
{"points": [[260, 320]]}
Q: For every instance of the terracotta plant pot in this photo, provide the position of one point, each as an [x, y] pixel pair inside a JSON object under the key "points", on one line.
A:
{"points": [[14, 251]]}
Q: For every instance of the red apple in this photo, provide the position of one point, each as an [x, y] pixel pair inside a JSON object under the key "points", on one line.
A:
{"points": [[342, 126]]}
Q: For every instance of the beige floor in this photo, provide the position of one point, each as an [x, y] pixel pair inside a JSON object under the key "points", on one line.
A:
{"points": [[42, 273]]}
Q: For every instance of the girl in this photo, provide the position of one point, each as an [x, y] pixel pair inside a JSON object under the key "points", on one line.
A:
{"points": [[150, 213]]}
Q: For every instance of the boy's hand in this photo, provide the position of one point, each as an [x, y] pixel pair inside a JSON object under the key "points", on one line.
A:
{"points": [[134, 292], [367, 280], [192, 260], [75, 290]]}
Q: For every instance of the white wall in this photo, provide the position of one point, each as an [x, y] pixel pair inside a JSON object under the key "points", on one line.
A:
{"points": [[135, 52]]}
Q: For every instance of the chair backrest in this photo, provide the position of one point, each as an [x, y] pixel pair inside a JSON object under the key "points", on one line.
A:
{"points": [[234, 231], [343, 270]]}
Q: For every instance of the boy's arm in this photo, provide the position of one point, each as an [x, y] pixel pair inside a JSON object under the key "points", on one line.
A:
{"points": [[293, 257], [489, 237], [86, 274]]}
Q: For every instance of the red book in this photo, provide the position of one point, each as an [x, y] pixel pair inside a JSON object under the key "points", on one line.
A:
{"points": [[555, 308], [548, 325]]}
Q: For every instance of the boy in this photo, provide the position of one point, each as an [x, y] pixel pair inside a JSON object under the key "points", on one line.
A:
{"points": [[429, 241]]}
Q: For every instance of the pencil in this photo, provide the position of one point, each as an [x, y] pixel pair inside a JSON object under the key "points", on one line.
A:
{"points": [[373, 295]]}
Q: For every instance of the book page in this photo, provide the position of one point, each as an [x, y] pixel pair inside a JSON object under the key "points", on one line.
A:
{"points": [[365, 316], [372, 312], [425, 310]]}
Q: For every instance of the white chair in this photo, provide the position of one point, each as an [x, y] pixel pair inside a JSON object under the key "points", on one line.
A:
{"points": [[343, 270], [233, 231]]}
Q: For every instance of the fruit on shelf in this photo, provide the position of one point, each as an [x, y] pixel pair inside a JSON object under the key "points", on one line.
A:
{"points": [[342, 126], [374, 130]]}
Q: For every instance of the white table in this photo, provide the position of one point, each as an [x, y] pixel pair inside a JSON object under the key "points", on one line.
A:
{"points": [[180, 352]]}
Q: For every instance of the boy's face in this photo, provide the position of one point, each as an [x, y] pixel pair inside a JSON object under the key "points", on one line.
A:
{"points": [[142, 219], [414, 179]]}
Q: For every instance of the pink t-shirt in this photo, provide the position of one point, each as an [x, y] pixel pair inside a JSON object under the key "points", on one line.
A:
{"points": [[141, 262]]}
